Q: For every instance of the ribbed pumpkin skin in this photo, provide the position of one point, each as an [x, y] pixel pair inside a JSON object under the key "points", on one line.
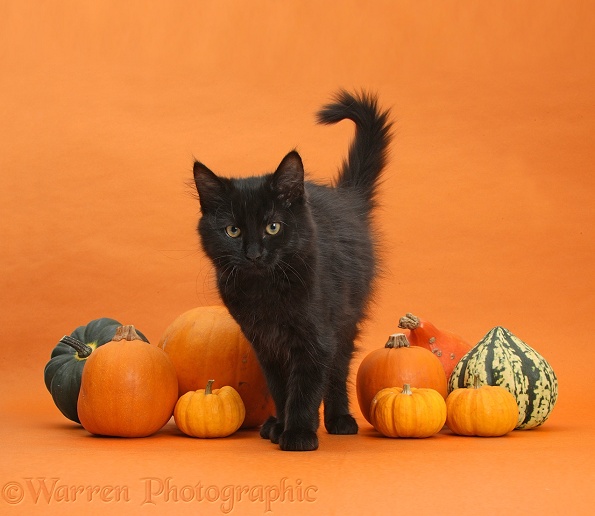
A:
{"points": [[394, 413], [218, 414], [501, 358], [62, 374], [487, 411], [395, 366], [128, 389], [206, 342]]}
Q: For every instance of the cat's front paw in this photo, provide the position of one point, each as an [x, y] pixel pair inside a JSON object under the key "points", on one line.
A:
{"points": [[271, 429], [298, 440], [342, 425]]}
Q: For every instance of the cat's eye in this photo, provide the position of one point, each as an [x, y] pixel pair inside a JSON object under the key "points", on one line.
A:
{"points": [[233, 231], [273, 228]]}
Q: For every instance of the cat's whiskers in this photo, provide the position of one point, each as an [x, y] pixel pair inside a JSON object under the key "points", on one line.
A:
{"points": [[282, 269], [286, 265], [228, 270], [307, 265]]}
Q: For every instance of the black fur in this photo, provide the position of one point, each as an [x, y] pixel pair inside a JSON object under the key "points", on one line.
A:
{"points": [[299, 294]]}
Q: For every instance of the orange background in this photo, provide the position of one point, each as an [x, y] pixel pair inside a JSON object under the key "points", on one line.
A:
{"points": [[487, 219]]}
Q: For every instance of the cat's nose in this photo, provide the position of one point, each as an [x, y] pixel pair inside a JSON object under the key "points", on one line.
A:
{"points": [[253, 253]]}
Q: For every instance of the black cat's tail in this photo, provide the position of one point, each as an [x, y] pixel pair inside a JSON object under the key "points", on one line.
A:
{"points": [[368, 152]]}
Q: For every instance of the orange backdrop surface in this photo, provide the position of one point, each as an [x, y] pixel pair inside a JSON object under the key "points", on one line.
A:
{"points": [[487, 218]]}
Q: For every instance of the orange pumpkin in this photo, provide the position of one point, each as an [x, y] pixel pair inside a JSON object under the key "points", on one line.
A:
{"points": [[128, 389], [482, 410], [397, 364], [408, 412], [206, 342], [210, 412], [447, 346]]}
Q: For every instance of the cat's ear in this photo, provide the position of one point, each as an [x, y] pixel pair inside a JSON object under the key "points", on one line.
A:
{"points": [[288, 180], [211, 189]]}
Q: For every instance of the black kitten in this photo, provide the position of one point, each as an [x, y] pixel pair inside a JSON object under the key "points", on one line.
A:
{"points": [[295, 264]]}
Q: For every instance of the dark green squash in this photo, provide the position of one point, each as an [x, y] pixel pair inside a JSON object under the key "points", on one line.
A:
{"points": [[63, 372], [501, 358]]}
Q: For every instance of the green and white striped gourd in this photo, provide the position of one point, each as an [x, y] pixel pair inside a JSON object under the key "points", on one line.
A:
{"points": [[501, 358]]}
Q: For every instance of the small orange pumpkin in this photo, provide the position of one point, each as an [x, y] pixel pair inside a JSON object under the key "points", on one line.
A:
{"points": [[128, 389], [397, 364], [482, 410], [210, 413], [206, 341], [408, 412]]}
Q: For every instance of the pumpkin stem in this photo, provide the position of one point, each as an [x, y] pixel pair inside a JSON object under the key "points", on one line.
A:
{"points": [[127, 332], [82, 350], [397, 340], [476, 382], [407, 389], [409, 322], [209, 387]]}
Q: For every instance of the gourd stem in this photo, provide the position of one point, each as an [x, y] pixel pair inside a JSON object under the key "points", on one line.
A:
{"points": [[127, 332], [397, 340], [82, 350], [409, 322], [209, 388], [407, 389]]}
